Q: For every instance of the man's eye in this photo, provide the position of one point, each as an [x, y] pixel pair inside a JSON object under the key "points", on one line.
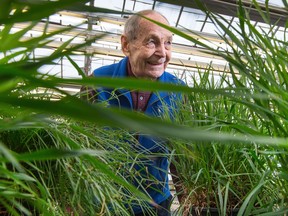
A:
{"points": [[151, 41], [168, 44]]}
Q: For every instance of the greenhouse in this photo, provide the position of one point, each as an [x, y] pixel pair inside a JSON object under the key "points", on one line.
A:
{"points": [[199, 128]]}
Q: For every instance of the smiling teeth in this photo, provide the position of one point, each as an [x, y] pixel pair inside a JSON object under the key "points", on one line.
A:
{"points": [[160, 61]]}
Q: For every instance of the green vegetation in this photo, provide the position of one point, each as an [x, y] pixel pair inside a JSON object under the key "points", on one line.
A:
{"points": [[252, 101], [230, 137]]}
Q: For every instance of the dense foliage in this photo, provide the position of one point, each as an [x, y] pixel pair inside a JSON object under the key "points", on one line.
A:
{"points": [[57, 156]]}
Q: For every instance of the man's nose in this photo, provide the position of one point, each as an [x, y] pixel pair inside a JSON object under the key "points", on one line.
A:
{"points": [[161, 50]]}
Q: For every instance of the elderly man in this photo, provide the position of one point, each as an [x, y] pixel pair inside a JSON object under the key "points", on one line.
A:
{"points": [[147, 48]]}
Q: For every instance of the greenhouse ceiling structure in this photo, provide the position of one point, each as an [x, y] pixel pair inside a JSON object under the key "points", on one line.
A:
{"points": [[182, 14]]}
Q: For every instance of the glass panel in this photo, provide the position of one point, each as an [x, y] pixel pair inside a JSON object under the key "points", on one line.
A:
{"points": [[171, 12], [111, 4], [192, 19], [278, 3], [63, 67], [143, 5]]}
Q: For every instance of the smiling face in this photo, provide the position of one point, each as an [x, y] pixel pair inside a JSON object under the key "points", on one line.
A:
{"points": [[150, 51]]}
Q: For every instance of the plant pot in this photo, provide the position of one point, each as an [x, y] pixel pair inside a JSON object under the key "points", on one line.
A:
{"points": [[200, 211]]}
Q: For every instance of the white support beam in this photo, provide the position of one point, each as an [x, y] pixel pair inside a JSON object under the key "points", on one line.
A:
{"points": [[184, 63], [115, 38]]}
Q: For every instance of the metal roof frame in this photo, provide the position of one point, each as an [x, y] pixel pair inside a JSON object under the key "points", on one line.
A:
{"points": [[278, 16]]}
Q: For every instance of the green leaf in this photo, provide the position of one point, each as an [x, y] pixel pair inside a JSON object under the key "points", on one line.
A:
{"points": [[80, 71], [5, 8], [248, 203], [53, 154]]}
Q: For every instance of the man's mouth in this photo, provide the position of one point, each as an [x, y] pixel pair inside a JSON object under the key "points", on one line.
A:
{"points": [[159, 62], [155, 63]]}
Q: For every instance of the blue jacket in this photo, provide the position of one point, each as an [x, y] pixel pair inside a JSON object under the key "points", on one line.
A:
{"points": [[157, 167]]}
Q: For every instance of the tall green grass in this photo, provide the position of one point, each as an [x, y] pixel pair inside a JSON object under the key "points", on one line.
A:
{"points": [[220, 175], [50, 165], [56, 155], [253, 103], [86, 172]]}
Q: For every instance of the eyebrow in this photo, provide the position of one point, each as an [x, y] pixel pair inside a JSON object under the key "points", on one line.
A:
{"points": [[156, 36]]}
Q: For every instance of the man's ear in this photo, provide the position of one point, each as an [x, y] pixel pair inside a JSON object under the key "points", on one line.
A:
{"points": [[124, 45]]}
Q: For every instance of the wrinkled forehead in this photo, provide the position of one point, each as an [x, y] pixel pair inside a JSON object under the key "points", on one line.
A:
{"points": [[156, 17], [148, 27]]}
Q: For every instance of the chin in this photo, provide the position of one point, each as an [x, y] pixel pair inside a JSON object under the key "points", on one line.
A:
{"points": [[158, 74], [153, 74]]}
